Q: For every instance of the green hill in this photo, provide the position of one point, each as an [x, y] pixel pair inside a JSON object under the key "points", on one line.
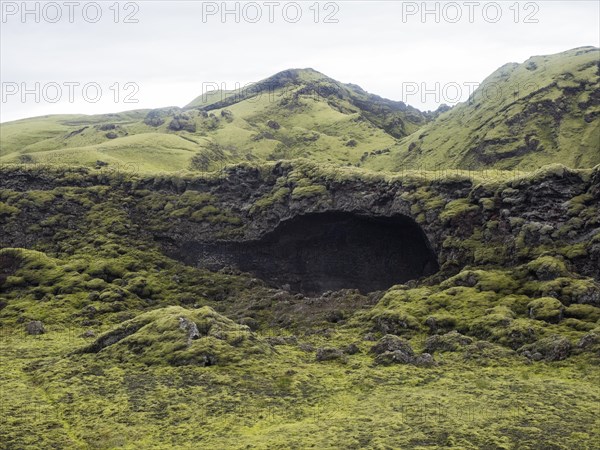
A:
{"points": [[523, 116], [296, 113]]}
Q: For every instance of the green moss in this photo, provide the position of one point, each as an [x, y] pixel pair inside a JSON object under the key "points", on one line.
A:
{"points": [[491, 324], [488, 204], [39, 198], [205, 212], [394, 322], [551, 348], [457, 208], [308, 191], [583, 312], [8, 210], [268, 201], [107, 270], [578, 325], [178, 336], [432, 201], [490, 254], [574, 251], [548, 309], [578, 204], [518, 333], [547, 268], [415, 209], [12, 281], [484, 280], [441, 321], [449, 342], [228, 388], [181, 212]]}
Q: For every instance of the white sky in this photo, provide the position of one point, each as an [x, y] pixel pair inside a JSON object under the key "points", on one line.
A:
{"points": [[174, 50]]}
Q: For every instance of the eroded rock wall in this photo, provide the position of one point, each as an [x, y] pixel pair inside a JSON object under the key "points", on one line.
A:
{"points": [[467, 220]]}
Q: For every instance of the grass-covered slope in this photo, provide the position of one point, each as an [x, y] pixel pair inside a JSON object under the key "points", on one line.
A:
{"points": [[524, 116], [296, 113]]}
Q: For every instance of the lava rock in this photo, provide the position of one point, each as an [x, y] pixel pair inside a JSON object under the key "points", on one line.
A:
{"points": [[395, 357], [552, 348], [329, 354], [449, 342], [351, 349], [369, 337], [191, 328], [589, 340], [391, 343], [394, 350], [424, 359], [35, 327], [305, 347]]}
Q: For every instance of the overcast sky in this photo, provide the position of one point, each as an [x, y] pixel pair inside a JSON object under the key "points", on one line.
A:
{"points": [[165, 53]]}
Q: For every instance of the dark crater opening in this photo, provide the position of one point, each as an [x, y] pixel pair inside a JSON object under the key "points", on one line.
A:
{"points": [[320, 252]]}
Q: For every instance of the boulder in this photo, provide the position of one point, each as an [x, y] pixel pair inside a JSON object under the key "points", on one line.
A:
{"points": [[394, 350], [329, 354], [552, 348], [547, 309], [35, 327], [191, 328], [351, 349], [391, 343], [449, 342]]}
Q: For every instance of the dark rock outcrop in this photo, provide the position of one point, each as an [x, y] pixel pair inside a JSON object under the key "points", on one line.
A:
{"points": [[462, 222], [35, 327], [392, 349], [552, 348]]}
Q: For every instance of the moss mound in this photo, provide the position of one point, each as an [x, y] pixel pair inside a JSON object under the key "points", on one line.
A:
{"points": [[179, 336]]}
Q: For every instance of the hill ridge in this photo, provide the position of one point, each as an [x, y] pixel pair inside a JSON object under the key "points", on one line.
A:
{"points": [[547, 110]]}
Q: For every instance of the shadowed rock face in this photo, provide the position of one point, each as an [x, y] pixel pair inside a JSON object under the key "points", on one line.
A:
{"points": [[318, 252]]}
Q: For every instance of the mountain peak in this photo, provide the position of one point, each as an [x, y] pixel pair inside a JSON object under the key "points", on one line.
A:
{"points": [[303, 74], [282, 79]]}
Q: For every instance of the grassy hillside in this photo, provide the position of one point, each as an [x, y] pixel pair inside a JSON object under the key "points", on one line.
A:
{"points": [[296, 113], [524, 116]]}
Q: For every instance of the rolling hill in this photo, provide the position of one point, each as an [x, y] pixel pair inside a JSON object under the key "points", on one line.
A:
{"points": [[523, 116], [296, 113]]}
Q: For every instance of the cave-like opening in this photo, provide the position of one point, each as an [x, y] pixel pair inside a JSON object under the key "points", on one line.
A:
{"points": [[319, 252]]}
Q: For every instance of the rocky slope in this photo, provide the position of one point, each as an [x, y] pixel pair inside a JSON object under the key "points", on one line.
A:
{"points": [[118, 332], [465, 221]]}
